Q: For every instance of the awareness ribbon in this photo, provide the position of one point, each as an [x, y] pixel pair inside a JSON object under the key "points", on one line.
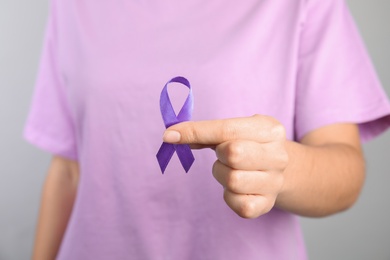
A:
{"points": [[170, 118]]}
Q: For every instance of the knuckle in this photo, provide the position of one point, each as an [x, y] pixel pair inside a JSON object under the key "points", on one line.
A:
{"points": [[228, 131], [278, 131], [247, 209], [191, 133], [235, 153], [258, 120], [264, 119], [258, 117], [273, 126], [214, 168], [268, 206], [233, 181]]}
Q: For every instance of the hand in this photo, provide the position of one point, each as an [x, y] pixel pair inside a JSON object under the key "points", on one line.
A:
{"points": [[251, 158]]}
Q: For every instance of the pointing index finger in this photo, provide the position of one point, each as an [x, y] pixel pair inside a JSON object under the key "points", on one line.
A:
{"points": [[213, 132]]}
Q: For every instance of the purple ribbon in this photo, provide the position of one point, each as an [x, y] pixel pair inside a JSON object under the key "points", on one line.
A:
{"points": [[170, 118]]}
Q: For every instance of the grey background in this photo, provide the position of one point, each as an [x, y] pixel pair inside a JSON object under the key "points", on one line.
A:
{"points": [[360, 233]]}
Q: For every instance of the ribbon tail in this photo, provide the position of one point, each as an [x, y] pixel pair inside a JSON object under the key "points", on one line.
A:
{"points": [[185, 155], [164, 155]]}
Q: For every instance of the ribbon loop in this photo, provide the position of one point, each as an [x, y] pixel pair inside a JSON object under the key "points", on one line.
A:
{"points": [[170, 118]]}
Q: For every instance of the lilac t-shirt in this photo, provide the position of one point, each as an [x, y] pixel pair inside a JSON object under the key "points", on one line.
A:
{"points": [[103, 67]]}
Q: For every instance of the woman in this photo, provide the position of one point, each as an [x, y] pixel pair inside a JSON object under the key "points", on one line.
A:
{"points": [[298, 66]]}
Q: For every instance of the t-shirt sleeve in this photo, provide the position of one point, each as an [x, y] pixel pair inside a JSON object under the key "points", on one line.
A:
{"points": [[336, 80], [49, 124]]}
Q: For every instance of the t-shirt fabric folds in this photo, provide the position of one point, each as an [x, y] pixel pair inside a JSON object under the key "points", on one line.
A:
{"points": [[96, 101]]}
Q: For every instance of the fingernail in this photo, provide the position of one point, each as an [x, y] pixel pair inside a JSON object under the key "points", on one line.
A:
{"points": [[171, 136]]}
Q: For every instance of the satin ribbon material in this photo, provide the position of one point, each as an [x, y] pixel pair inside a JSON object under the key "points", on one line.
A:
{"points": [[170, 118]]}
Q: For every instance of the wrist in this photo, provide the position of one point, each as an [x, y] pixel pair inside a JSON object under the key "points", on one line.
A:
{"points": [[296, 153]]}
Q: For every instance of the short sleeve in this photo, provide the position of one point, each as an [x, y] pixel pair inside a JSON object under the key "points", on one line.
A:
{"points": [[336, 80], [49, 124]]}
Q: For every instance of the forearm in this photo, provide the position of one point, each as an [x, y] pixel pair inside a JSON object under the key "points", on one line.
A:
{"points": [[321, 180], [259, 169], [58, 196]]}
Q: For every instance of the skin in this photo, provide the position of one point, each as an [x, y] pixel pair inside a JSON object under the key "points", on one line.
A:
{"points": [[58, 195], [257, 167]]}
